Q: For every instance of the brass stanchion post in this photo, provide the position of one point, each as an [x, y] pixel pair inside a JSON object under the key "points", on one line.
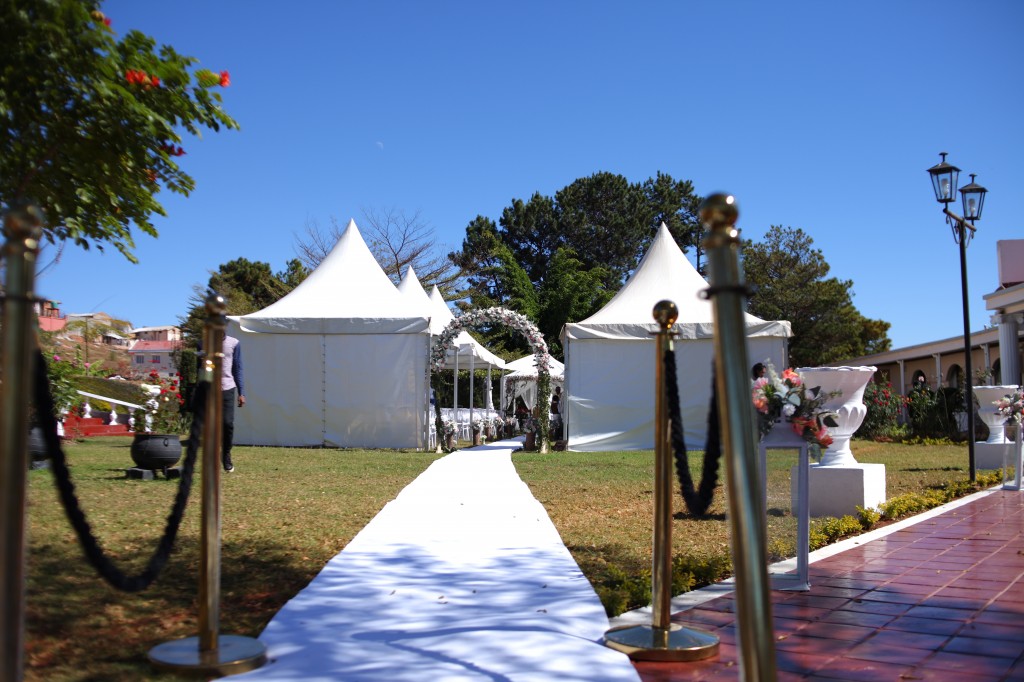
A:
{"points": [[22, 228], [739, 441], [211, 652], [662, 640]]}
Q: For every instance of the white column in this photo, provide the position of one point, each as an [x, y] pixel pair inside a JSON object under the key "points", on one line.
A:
{"points": [[455, 399], [472, 371], [1009, 347], [490, 392], [903, 389], [938, 369], [988, 364]]}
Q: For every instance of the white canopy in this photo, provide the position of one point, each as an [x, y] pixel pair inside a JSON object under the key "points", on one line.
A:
{"points": [[526, 366], [521, 382], [348, 293], [340, 361], [610, 356]]}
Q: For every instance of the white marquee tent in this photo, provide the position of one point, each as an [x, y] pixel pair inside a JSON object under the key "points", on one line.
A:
{"points": [[340, 361], [610, 356], [523, 379]]}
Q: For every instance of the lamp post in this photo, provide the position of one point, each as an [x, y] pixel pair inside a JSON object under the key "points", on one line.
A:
{"points": [[944, 179]]}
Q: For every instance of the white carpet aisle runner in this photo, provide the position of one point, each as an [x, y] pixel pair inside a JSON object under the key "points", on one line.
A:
{"points": [[461, 577]]}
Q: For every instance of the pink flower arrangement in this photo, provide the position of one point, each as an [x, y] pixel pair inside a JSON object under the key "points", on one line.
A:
{"points": [[788, 397], [1011, 407]]}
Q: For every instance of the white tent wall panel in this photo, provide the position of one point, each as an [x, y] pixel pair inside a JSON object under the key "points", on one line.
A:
{"points": [[345, 390], [374, 390], [610, 387], [283, 389]]}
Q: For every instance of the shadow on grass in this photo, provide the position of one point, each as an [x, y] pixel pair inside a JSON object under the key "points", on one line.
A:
{"points": [[79, 628], [707, 517], [920, 469]]}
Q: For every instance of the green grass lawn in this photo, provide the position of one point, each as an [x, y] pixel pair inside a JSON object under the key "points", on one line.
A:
{"points": [[287, 511]]}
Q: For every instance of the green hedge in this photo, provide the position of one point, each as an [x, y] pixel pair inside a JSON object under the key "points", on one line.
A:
{"points": [[111, 388]]}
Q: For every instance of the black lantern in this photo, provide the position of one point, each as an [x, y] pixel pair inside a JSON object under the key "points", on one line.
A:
{"points": [[944, 179], [973, 196]]}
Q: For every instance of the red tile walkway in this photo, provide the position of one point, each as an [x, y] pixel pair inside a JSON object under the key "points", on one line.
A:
{"points": [[942, 599]]}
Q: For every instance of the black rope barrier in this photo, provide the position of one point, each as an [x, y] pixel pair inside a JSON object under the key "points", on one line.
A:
{"points": [[66, 488], [697, 501]]}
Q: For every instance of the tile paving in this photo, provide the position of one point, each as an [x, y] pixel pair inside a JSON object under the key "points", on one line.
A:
{"points": [[939, 600]]}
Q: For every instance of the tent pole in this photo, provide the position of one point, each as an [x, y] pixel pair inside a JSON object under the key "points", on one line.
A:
{"points": [[472, 372], [490, 392], [455, 399]]}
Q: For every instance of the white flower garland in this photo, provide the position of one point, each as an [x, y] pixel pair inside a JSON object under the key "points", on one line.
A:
{"points": [[508, 318], [488, 316]]}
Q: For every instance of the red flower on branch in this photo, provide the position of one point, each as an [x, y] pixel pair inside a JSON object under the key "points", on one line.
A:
{"points": [[142, 78], [225, 79], [171, 150]]}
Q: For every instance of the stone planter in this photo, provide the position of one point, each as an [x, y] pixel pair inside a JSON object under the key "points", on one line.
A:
{"points": [[848, 405], [986, 396], [39, 457], [156, 450]]}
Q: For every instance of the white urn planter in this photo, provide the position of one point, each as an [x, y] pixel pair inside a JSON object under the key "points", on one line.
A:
{"points": [[839, 484], [848, 405], [987, 395]]}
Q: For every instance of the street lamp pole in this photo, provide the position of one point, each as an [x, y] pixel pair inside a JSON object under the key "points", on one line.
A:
{"points": [[944, 179]]}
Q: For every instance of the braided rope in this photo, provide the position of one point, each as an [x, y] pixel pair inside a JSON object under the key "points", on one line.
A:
{"points": [[66, 488], [697, 501]]}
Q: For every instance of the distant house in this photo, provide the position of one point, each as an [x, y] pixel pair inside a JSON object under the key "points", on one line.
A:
{"points": [[996, 356], [153, 349], [165, 333], [48, 314], [114, 332]]}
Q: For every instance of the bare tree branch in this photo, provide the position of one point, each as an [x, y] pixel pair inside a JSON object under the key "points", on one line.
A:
{"points": [[396, 240]]}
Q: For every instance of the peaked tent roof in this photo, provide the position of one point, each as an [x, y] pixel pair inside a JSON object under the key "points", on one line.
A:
{"points": [[526, 366], [663, 273], [412, 290], [348, 293], [440, 316]]}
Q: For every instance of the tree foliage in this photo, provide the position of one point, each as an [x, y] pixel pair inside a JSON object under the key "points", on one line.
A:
{"points": [[561, 258], [791, 282], [91, 126], [247, 286]]}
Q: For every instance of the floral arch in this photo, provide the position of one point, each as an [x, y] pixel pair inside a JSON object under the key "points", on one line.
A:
{"points": [[512, 320]]}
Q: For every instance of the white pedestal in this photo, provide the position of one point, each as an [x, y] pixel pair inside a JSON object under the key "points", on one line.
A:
{"points": [[839, 490], [987, 395], [990, 455]]}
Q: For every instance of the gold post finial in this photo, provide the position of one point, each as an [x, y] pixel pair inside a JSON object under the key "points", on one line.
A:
{"points": [[216, 307], [24, 221], [719, 211], [665, 314]]}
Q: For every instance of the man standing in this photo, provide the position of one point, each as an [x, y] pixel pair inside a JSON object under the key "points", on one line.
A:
{"points": [[231, 385]]}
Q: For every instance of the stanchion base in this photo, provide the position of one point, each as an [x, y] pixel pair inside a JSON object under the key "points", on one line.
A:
{"points": [[234, 654], [648, 643]]}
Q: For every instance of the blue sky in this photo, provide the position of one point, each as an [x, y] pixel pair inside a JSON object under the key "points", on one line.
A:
{"points": [[817, 115]]}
